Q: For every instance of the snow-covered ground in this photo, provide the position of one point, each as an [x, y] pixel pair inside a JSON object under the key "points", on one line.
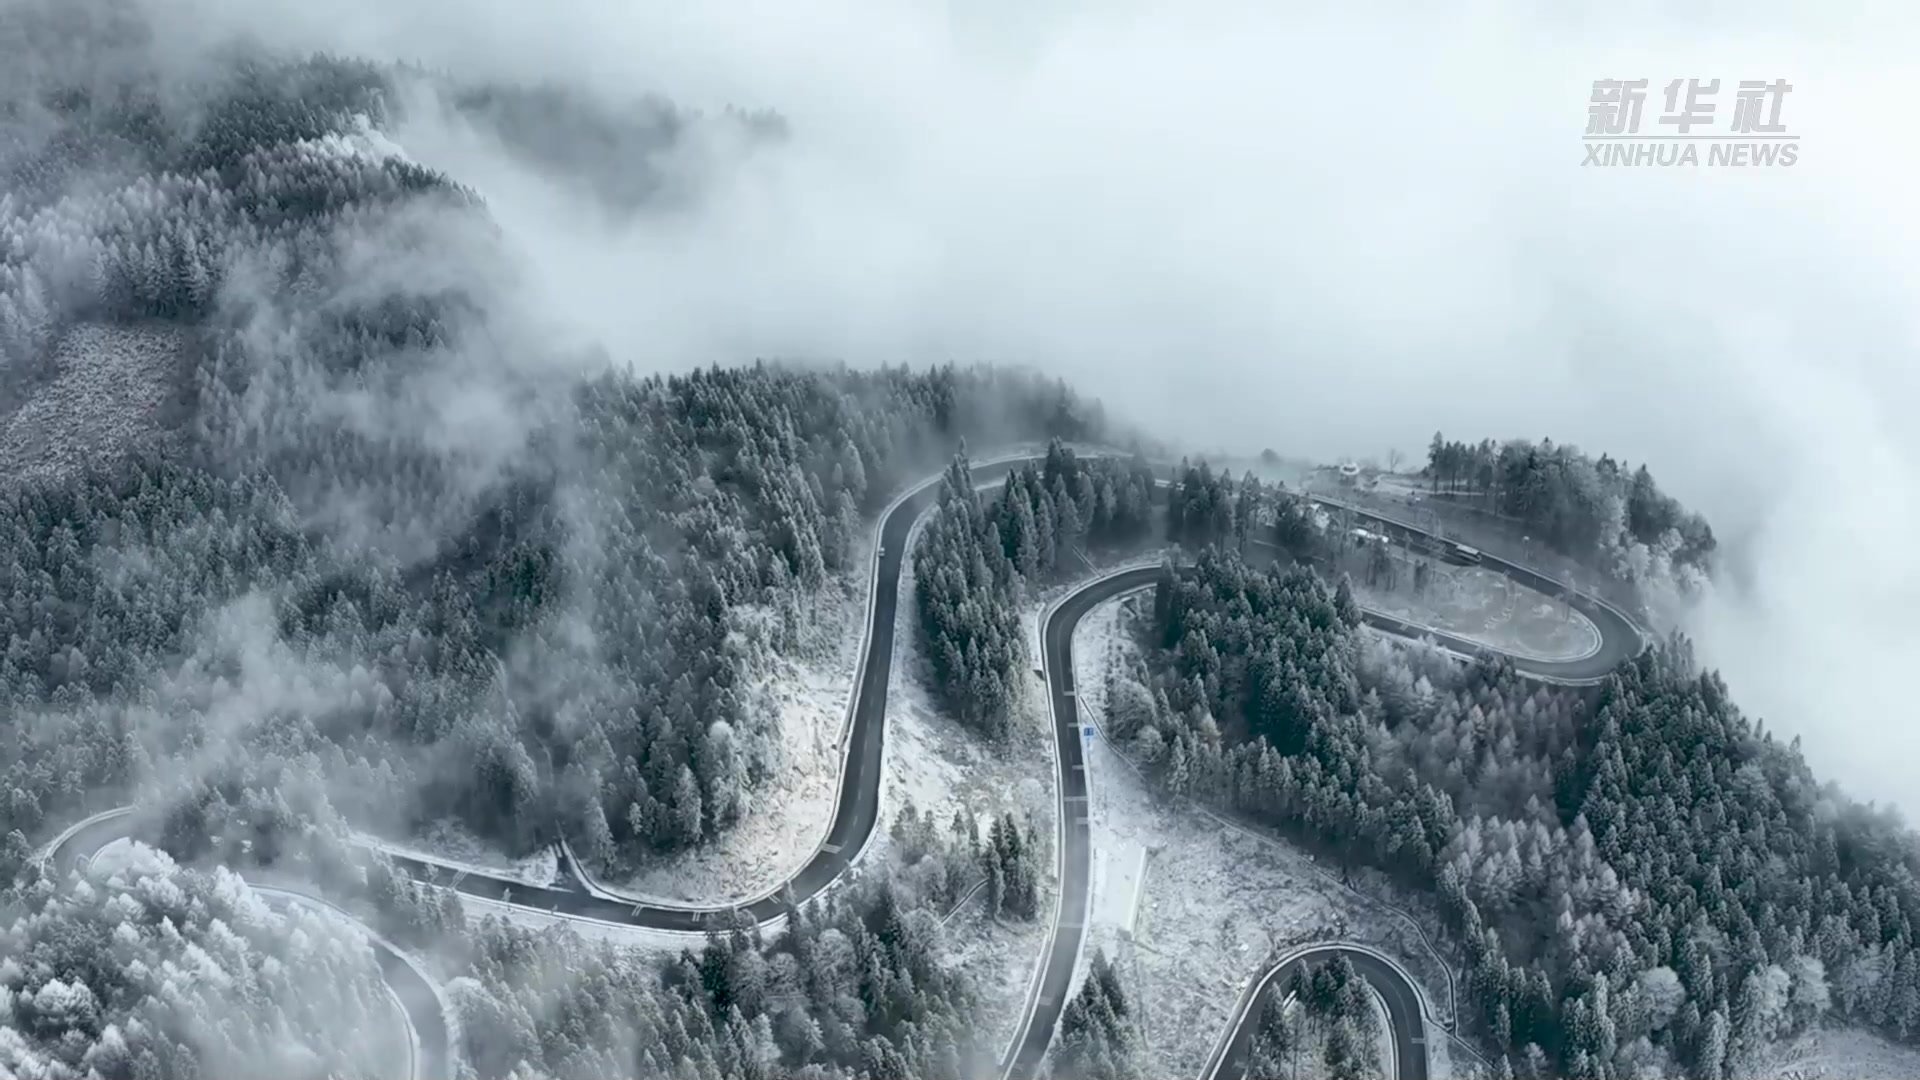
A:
{"points": [[1218, 901], [931, 759], [1382, 1032], [130, 859], [1485, 606], [942, 766], [791, 812], [108, 389], [1119, 879], [1409, 486], [1503, 538], [454, 847], [1838, 1054], [1310, 1043]]}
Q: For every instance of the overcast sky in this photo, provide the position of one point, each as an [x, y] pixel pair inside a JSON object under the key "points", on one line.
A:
{"points": [[1263, 224]]}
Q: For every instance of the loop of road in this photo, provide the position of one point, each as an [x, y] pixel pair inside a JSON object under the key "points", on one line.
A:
{"points": [[857, 810]]}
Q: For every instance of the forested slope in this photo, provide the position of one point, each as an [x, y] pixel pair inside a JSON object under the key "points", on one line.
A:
{"points": [[382, 554], [981, 553], [849, 989], [1639, 874], [387, 556], [156, 971], [516, 588], [1599, 510]]}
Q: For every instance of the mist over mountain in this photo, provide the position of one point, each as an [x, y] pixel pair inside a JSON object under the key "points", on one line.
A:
{"points": [[1095, 191], [442, 440]]}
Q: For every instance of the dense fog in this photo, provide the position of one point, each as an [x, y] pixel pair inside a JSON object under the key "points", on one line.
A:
{"points": [[396, 517], [1265, 225]]}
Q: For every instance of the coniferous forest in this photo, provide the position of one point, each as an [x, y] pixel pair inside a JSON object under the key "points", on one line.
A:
{"points": [[980, 556], [379, 557], [312, 531], [495, 661], [1596, 509], [1638, 875]]}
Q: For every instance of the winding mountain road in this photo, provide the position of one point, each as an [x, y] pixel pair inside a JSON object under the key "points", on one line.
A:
{"points": [[1620, 639], [857, 803], [419, 999], [857, 809], [1228, 1062], [1404, 1013]]}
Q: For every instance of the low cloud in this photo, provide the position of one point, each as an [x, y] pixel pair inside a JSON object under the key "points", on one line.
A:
{"points": [[1251, 224]]}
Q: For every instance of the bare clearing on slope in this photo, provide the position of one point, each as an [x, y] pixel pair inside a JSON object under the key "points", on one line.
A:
{"points": [[102, 392], [793, 811], [1189, 908]]}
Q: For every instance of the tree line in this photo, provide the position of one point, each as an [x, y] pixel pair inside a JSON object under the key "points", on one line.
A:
{"points": [[1099, 1038], [330, 603], [555, 627], [1597, 510], [978, 558], [1324, 1017], [1006, 864], [156, 971], [1639, 875], [850, 987], [148, 970]]}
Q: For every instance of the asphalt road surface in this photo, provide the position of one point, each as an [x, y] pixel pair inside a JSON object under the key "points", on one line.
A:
{"points": [[1063, 949], [857, 810], [1403, 1014], [1620, 640], [855, 814], [415, 994]]}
